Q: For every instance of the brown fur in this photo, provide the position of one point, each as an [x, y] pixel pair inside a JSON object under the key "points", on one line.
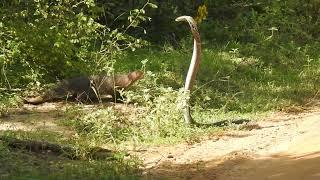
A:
{"points": [[91, 88]]}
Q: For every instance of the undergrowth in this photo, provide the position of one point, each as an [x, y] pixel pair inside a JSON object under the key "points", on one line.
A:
{"points": [[17, 164], [231, 85], [255, 60], [8, 100], [231, 80], [85, 162]]}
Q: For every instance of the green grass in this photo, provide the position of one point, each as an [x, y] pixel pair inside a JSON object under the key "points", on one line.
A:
{"points": [[232, 81], [23, 163], [231, 85]]}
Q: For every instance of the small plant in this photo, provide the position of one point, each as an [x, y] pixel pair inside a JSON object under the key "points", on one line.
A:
{"points": [[7, 101]]}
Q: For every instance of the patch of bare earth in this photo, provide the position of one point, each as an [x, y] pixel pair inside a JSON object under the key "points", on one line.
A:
{"points": [[34, 118], [45, 116], [285, 147]]}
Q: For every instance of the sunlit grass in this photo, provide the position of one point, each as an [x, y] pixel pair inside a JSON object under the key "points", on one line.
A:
{"points": [[23, 163], [230, 86], [233, 81]]}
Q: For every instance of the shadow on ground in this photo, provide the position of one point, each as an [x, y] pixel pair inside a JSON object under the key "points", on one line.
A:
{"points": [[27, 159], [235, 167]]}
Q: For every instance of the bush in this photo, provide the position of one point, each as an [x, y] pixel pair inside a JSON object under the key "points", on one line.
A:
{"points": [[45, 40]]}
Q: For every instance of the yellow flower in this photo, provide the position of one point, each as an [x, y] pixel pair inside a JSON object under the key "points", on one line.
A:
{"points": [[202, 13]]}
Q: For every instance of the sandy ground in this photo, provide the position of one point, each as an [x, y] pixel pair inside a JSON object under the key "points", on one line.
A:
{"points": [[284, 147]]}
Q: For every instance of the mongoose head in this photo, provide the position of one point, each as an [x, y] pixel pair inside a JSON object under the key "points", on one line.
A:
{"points": [[125, 81], [135, 75]]}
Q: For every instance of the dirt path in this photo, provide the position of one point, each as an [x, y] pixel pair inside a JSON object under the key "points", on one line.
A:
{"points": [[286, 147]]}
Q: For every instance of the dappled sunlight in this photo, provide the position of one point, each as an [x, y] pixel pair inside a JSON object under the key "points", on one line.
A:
{"points": [[258, 59], [34, 120]]}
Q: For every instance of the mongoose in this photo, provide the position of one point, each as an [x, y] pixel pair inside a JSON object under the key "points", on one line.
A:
{"points": [[88, 88]]}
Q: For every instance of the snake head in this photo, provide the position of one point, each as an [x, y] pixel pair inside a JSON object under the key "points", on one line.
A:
{"points": [[189, 19], [192, 23]]}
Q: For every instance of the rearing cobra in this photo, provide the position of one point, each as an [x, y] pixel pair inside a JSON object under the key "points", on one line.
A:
{"points": [[194, 64]]}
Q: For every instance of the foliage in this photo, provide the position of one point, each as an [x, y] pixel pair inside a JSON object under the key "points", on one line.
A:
{"points": [[158, 120], [8, 100], [44, 40], [258, 56], [275, 32], [229, 81], [162, 28], [256, 50]]}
